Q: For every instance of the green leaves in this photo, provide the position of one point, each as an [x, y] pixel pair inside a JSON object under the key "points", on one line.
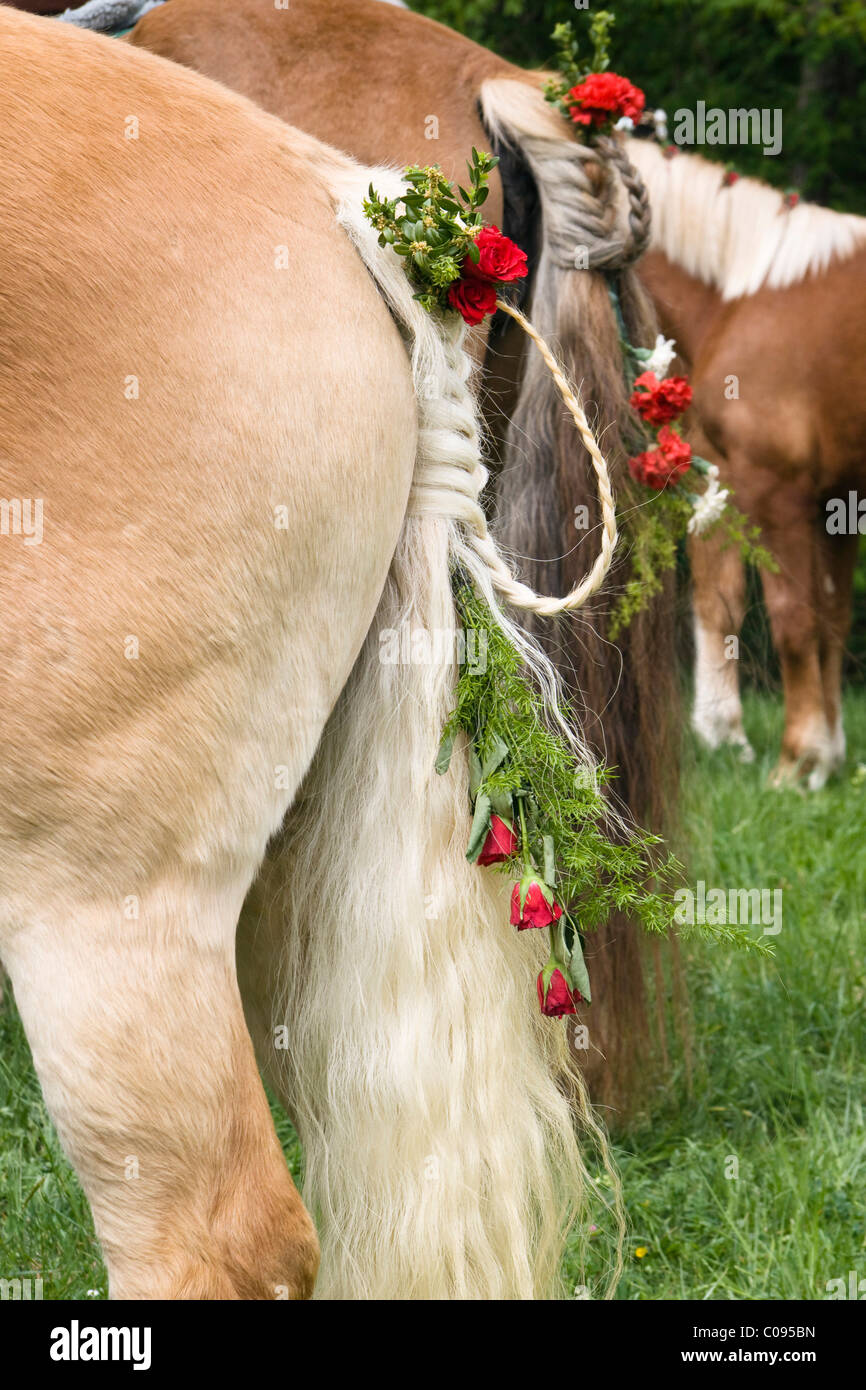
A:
{"points": [[480, 825], [571, 70], [570, 952], [431, 227], [517, 762]]}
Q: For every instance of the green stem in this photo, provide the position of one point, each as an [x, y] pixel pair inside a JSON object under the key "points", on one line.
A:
{"points": [[553, 954], [527, 858]]}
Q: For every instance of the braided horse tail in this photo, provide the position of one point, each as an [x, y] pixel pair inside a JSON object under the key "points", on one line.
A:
{"points": [[442, 1119], [594, 216]]}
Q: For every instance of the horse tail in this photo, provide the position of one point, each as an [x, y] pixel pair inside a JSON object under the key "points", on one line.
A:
{"points": [[594, 217], [436, 1108]]}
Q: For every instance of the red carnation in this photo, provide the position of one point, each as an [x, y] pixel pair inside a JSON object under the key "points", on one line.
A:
{"points": [[659, 402], [500, 844], [472, 297], [557, 999], [663, 465], [538, 910], [602, 98], [499, 258]]}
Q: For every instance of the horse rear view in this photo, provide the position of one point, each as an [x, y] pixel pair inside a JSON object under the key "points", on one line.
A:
{"points": [[208, 406]]}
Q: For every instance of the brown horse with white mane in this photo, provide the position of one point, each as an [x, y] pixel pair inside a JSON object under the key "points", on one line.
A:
{"points": [[388, 85], [767, 303], [249, 453]]}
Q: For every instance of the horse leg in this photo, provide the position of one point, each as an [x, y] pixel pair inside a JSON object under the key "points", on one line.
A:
{"points": [[837, 559], [719, 601], [791, 597], [146, 1065]]}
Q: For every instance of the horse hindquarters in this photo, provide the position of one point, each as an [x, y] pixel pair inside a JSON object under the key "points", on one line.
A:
{"points": [[392, 1006], [180, 633]]}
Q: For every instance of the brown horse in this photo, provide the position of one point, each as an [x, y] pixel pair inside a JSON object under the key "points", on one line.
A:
{"points": [[767, 303], [233, 453], [388, 85]]}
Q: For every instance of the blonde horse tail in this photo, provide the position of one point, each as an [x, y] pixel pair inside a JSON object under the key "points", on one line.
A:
{"points": [[442, 1123]]}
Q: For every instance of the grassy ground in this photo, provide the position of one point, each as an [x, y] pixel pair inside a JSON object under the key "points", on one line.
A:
{"points": [[779, 1080]]}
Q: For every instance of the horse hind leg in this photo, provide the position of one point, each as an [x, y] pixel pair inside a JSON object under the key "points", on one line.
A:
{"points": [[793, 602], [719, 596], [837, 559], [147, 1068]]}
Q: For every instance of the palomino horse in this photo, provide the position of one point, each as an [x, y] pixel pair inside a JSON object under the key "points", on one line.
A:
{"points": [[389, 85], [768, 303], [208, 405]]}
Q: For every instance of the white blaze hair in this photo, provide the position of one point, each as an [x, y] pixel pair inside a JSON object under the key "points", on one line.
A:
{"points": [[741, 238], [436, 1107]]}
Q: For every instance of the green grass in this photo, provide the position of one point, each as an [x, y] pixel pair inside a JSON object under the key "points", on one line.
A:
{"points": [[779, 1050], [779, 1070]]}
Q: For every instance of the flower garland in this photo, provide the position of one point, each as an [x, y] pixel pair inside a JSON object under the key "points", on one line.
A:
{"points": [[452, 258], [535, 813], [590, 96], [670, 468], [543, 820], [598, 102]]}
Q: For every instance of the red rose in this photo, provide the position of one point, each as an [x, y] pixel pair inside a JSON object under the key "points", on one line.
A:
{"points": [[537, 911], [499, 258], [731, 177], [663, 465], [602, 98], [500, 844], [472, 297], [557, 999], [659, 402]]}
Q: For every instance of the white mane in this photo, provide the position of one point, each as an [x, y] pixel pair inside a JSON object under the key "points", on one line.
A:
{"points": [[739, 238]]}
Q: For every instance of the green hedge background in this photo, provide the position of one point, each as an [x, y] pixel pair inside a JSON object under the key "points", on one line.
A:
{"points": [[807, 57]]}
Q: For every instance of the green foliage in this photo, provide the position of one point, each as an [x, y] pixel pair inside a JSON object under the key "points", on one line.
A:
{"points": [[432, 229], [526, 771], [651, 534], [567, 61]]}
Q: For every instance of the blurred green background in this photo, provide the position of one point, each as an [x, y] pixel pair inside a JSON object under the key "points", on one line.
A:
{"points": [[806, 56]]}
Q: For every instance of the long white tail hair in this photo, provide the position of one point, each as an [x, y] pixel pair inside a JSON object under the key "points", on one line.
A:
{"points": [[437, 1110]]}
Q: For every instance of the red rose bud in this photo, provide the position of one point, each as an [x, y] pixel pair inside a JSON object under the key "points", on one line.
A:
{"points": [[538, 909], [730, 178], [554, 997], [500, 844], [603, 98], [499, 258], [473, 298], [791, 198], [659, 402]]}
